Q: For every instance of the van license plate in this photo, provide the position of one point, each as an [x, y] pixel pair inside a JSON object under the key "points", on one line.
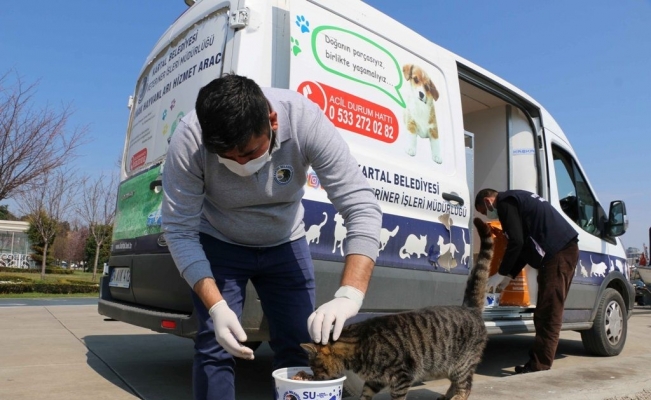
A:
{"points": [[120, 277]]}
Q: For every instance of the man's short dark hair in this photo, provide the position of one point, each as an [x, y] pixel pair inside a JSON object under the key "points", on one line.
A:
{"points": [[479, 199], [231, 110]]}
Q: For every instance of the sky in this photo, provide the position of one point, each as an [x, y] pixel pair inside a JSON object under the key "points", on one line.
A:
{"points": [[588, 62]]}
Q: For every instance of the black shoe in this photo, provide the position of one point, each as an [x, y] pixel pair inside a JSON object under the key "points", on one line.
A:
{"points": [[523, 369]]}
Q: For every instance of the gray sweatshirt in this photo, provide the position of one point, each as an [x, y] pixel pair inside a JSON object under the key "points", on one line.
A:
{"points": [[263, 210]]}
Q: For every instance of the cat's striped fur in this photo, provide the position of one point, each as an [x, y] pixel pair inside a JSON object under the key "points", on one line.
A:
{"points": [[398, 350]]}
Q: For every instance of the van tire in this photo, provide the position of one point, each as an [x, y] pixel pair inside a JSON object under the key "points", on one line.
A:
{"points": [[608, 333]]}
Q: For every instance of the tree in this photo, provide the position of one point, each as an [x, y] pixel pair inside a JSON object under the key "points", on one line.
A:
{"points": [[38, 244], [47, 203], [60, 243], [77, 244], [104, 253], [5, 214], [33, 141], [70, 243], [97, 208]]}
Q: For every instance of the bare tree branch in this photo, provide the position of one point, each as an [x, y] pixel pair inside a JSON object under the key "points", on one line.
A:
{"points": [[71, 244], [97, 208], [77, 245], [32, 141], [47, 202]]}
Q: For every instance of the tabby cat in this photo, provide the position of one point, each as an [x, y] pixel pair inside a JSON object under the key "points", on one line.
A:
{"points": [[398, 350]]}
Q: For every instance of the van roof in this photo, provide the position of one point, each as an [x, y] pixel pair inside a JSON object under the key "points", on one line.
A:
{"points": [[367, 16]]}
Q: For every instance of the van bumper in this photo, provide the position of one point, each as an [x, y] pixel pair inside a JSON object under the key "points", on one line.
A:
{"points": [[185, 325]]}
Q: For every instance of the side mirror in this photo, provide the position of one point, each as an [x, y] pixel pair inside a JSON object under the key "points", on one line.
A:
{"points": [[617, 219]]}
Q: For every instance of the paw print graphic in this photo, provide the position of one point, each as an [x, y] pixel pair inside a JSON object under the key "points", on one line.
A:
{"points": [[295, 46], [302, 23]]}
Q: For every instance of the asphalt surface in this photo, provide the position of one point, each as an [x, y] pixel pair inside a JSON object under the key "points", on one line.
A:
{"points": [[62, 350]]}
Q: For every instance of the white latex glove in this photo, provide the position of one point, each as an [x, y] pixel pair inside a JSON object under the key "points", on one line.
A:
{"points": [[346, 304], [497, 283], [228, 330]]}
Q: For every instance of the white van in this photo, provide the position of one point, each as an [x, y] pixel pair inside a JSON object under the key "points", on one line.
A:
{"points": [[378, 82]]}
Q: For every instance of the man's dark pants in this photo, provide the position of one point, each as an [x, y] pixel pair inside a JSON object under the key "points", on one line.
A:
{"points": [[554, 279], [283, 277]]}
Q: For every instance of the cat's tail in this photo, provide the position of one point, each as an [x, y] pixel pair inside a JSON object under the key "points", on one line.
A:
{"points": [[403, 252], [476, 286]]}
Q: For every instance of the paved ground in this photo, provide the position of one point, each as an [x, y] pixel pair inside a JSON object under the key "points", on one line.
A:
{"points": [[58, 301], [64, 351]]}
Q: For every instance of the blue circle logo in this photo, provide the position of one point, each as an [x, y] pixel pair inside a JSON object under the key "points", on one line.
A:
{"points": [[284, 174], [290, 395], [143, 89]]}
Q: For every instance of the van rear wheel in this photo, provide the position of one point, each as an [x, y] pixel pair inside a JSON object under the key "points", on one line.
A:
{"points": [[608, 333]]}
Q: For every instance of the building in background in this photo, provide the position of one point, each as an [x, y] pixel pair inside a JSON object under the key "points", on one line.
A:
{"points": [[15, 247]]}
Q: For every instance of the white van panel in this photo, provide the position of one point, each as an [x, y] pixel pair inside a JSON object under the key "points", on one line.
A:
{"points": [[489, 127], [278, 48], [262, 49], [377, 92], [522, 152], [168, 86]]}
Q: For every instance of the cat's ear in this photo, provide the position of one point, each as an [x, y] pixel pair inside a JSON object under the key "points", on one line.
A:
{"points": [[310, 348]]}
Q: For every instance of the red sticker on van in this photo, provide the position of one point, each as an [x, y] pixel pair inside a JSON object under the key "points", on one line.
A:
{"points": [[352, 113], [139, 159]]}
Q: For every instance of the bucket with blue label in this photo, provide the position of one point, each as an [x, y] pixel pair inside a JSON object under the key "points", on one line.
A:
{"points": [[492, 300], [291, 384]]}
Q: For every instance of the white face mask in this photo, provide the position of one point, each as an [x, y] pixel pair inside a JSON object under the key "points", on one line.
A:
{"points": [[250, 167], [492, 212], [247, 169]]}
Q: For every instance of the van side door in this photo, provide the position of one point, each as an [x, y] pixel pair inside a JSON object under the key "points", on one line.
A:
{"points": [[579, 204], [397, 105]]}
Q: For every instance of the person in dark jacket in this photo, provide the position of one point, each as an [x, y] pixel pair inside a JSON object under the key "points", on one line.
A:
{"points": [[540, 236]]}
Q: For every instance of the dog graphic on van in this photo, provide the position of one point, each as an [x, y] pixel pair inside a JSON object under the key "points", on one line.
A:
{"points": [[442, 254], [340, 233], [466, 249], [598, 269], [420, 114]]}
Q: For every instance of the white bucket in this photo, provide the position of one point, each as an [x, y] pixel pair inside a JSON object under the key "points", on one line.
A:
{"points": [[289, 389], [492, 300]]}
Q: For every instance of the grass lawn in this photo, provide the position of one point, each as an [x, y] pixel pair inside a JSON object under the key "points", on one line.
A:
{"points": [[33, 295], [77, 276]]}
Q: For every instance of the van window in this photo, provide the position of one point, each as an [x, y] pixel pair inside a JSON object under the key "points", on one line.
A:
{"points": [[576, 198], [168, 86]]}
